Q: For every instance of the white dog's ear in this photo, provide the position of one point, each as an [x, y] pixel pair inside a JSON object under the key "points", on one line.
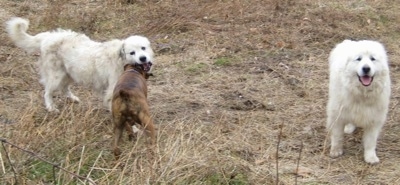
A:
{"points": [[122, 52]]}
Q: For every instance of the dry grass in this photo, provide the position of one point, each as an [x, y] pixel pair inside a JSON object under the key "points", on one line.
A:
{"points": [[229, 74]]}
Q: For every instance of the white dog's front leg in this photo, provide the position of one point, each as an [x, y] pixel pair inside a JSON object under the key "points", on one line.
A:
{"points": [[107, 98], [370, 138], [337, 134], [48, 99]]}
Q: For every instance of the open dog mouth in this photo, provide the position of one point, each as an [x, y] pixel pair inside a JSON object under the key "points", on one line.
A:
{"points": [[145, 66], [366, 80]]}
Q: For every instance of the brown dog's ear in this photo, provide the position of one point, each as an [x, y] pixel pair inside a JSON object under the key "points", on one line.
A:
{"points": [[126, 66]]}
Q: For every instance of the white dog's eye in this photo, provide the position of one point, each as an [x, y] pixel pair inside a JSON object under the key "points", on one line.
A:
{"points": [[132, 53], [359, 59], [373, 59], [143, 48]]}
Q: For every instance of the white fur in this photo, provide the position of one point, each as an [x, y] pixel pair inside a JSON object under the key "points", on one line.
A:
{"points": [[352, 104], [67, 56]]}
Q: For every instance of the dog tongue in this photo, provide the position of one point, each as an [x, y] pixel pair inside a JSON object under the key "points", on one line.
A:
{"points": [[366, 80]]}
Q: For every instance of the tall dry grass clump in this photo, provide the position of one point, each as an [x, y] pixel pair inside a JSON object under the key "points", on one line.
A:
{"points": [[186, 151]]}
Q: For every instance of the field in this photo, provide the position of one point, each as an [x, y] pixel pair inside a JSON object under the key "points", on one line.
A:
{"points": [[238, 95]]}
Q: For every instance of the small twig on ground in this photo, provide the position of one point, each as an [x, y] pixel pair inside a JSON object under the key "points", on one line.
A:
{"points": [[9, 160], [2, 164], [54, 175], [298, 163], [277, 154], [80, 160], [94, 164]]}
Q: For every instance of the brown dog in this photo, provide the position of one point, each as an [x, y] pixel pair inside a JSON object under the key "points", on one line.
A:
{"points": [[129, 104]]}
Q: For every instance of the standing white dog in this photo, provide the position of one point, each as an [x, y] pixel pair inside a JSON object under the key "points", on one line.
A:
{"points": [[67, 56], [359, 92]]}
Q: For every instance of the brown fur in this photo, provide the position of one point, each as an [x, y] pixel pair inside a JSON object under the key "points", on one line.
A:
{"points": [[129, 105]]}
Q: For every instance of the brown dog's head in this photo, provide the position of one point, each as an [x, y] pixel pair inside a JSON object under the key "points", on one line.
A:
{"points": [[141, 68]]}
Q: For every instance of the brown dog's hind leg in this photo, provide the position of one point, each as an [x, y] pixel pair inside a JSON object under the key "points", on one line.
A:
{"points": [[148, 124], [128, 128], [119, 125]]}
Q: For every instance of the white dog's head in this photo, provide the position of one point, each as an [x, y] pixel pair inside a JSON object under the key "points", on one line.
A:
{"points": [[366, 60], [137, 49]]}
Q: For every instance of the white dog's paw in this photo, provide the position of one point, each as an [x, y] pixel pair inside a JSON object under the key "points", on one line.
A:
{"points": [[74, 98], [107, 104], [336, 153], [55, 110], [52, 108], [349, 128], [371, 158]]}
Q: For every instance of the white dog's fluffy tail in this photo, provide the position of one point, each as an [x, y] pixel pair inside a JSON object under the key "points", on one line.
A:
{"points": [[16, 29]]}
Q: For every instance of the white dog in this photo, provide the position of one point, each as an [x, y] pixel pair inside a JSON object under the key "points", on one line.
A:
{"points": [[67, 56], [359, 92]]}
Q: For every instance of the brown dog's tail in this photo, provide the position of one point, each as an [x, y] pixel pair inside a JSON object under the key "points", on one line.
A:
{"points": [[124, 96]]}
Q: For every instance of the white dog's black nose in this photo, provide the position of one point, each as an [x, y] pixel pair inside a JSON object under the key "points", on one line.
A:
{"points": [[143, 59], [366, 69]]}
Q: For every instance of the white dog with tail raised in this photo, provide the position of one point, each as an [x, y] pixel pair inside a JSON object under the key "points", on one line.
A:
{"points": [[359, 93], [67, 56]]}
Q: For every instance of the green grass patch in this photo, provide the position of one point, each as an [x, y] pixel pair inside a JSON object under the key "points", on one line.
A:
{"points": [[238, 179], [195, 68], [223, 61], [41, 170]]}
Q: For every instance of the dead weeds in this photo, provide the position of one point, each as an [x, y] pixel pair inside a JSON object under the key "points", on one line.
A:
{"points": [[228, 75]]}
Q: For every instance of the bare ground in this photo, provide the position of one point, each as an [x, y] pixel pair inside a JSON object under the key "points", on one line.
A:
{"points": [[230, 76]]}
